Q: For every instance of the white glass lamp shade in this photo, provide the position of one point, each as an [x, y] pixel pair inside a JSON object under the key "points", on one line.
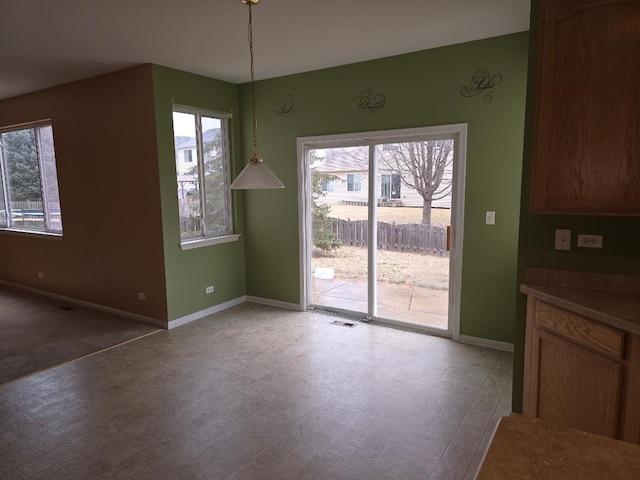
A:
{"points": [[256, 175]]}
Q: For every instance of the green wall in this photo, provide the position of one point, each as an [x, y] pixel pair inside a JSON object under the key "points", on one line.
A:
{"points": [[421, 89], [621, 247], [189, 272]]}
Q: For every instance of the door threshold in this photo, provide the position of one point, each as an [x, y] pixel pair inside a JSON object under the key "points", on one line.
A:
{"points": [[336, 312], [381, 322], [410, 327]]}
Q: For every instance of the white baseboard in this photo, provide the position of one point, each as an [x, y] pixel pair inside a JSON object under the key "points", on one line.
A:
{"points": [[485, 342], [82, 303], [481, 342], [207, 311], [274, 303]]}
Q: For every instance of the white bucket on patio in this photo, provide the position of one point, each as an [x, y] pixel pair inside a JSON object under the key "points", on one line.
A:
{"points": [[324, 273]]}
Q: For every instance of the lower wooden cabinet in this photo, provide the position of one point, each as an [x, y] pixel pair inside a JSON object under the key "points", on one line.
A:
{"points": [[580, 373], [576, 387]]}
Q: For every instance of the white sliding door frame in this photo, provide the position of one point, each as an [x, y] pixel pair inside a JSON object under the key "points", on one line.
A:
{"points": [[456, 131]]}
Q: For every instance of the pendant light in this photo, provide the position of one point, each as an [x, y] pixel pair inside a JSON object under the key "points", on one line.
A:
{"points": [[256, 175]]}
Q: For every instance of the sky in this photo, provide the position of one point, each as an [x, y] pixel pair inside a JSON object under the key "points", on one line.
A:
{"points": [[183, 125]]}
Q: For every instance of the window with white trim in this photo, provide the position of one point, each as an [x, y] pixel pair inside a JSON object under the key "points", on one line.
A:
{"points": [[354, 182], [329, 186], [204, 194], [29, 196]]}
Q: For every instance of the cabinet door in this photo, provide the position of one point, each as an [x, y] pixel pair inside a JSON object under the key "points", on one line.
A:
{"points": [[577, 388], [586, 156]]}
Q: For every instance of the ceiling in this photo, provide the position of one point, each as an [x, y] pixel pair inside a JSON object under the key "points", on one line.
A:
{"points": [[45, 43]]}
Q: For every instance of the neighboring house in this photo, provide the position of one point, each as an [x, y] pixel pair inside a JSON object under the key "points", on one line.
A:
{"points": [[187, 161], [185, 153], [351, 166]]}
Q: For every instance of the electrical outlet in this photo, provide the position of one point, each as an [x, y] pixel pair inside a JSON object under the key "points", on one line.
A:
{"points": [[590, 241], [563, 239], [40, 275], [141, 296], [490, 218], [209, 289]]}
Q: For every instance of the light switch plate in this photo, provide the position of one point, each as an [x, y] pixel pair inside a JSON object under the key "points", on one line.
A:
{"points": [[563, 239], [490, 218]]}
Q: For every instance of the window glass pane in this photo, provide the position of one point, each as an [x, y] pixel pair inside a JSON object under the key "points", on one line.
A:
{"points": [[184, 130], [215, 177], [328, 186], [29, 194], [385, 186], [23, 179], [396, 185], [354, 182], [202, 169], [50, 179]]}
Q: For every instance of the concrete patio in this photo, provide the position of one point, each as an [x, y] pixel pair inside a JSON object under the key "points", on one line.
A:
{"points": [[407, 303]]}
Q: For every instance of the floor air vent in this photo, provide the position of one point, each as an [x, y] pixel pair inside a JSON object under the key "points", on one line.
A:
{"points": [[343, 324]]}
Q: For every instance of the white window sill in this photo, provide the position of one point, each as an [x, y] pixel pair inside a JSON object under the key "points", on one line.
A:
{"points": [[32, 233], [205, 242]]}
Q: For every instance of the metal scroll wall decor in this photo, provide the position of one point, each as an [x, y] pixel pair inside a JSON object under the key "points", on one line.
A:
{"points": [[285, 107], [369, 101], [482, 83]]}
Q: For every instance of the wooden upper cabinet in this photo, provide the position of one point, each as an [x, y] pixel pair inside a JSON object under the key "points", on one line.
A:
{"points": [[586, 156]]}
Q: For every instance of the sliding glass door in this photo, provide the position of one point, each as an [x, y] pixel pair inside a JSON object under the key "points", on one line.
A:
{"points": [[377, 216]]}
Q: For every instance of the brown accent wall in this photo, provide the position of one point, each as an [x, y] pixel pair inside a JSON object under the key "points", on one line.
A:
{"points": [[106, 152]]}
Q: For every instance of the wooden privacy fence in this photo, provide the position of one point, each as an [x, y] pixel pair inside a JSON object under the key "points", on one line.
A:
{"points": [[415, 238], [189, 212], [190, 225]]}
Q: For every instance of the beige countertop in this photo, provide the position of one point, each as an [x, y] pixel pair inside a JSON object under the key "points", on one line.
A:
{"points": [[528, 448], [617, 310]]}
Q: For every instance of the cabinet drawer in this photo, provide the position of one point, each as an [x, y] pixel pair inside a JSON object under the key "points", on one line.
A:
{"points": [[599, 338]]}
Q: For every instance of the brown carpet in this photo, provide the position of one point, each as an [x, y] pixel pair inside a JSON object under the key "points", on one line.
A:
{"points": [[37, 333]]}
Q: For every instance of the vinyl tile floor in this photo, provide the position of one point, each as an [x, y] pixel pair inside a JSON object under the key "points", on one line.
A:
{"points": [[257, 392]]}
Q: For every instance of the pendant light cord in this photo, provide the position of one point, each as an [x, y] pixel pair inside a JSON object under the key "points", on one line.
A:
{"points": [[254, 153]]}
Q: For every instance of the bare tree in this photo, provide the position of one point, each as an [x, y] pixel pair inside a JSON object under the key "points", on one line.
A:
{"points": [[422, 167]]}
